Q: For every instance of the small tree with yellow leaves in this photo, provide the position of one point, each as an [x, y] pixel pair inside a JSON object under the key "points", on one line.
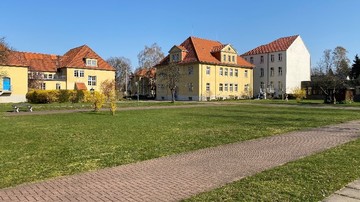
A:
{"points": [[299, 94]]}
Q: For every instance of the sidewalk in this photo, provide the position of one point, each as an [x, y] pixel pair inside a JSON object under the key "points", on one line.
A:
{"points": [[181, 176], [350, 193]]}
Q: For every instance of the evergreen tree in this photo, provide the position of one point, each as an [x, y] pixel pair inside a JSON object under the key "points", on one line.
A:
{"points": [[355, 70]]}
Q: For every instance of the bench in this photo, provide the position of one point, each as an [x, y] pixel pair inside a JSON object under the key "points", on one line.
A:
{"points": [[16, 107]]}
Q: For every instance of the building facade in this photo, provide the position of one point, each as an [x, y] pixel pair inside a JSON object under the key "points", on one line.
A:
{"points": [[280, 66], [207, 69], [80, 69]]}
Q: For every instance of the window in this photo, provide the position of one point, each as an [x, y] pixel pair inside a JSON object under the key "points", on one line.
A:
{"points": [[280, 86], [6, 84], [78, 73], [236, 87], [280, 56], [58, 86], [272, 71], [261, 72], [280, 71], [271, 86], [226, 87], [43, 86], [221, 87], [251, 59], [262, 59], [231, 72], [221, 71], [226, 71], [272, 58], [175, 57], [191, 87], [246, 87], [231, 87], [224, 57], [262, 86], [92, 80], [91, 62], [229, 58], [207, 70], [50, 76], [236, 72], [207, 87], [246, 73], [45, 76], [190, 70], [233, 58]]}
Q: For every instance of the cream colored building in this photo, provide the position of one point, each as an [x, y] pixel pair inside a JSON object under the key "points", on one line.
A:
{"points": [[80, 69], [208, 70], [13, 84], [280, 66]]}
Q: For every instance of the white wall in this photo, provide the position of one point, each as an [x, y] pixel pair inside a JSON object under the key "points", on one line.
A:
{"points": [[297, 65]]}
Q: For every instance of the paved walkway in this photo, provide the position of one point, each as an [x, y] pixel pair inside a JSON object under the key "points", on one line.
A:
{"points": [[350, 193], [180, 176]]}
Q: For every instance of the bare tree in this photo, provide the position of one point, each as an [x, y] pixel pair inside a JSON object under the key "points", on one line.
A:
{"points": [[170, 74], [335, 76], [123, 70], [150, 56], [4, 53]]}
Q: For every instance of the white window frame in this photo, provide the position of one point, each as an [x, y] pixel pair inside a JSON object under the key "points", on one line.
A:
{"points": [[246, 73], [58, 86], [221, 71], [208, 70], [236, 87], [91, 80], [226, 87], [221, 87], [207, 87], [231, 87], [236, 73], [231, 71]]}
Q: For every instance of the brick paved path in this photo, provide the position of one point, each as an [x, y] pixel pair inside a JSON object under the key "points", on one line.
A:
{"points": [[180, 176]]}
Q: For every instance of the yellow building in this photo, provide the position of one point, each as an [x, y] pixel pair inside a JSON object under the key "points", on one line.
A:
{"points": [[208, 70], [80, 68]]}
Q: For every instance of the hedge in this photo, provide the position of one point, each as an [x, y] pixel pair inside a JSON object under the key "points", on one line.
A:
{"points": [[50, 96]]}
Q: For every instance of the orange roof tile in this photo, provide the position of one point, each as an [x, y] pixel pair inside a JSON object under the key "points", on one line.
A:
{"points": [[75, 58], [280, 44], [200, 50], [80, 86], [49, 63], [150, 73]]}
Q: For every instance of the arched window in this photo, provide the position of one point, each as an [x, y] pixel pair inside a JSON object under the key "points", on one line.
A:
{"points": [[6, 84]]}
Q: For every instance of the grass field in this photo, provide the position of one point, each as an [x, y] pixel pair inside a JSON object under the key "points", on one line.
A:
{"points": [[310, 179], [39, 147]]}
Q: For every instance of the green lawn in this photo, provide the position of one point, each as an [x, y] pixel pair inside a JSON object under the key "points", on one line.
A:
{"points": [[66, 106], [310, 179], [39, 147]]}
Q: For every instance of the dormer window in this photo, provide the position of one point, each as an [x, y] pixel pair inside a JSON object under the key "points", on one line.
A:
{"points": [[176, 57], [91, 62]]}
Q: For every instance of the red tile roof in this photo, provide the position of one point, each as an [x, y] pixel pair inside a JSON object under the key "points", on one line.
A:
{"points": [[150, 73], [49, 63], [200, 50], [80, 86], [280, 44]]}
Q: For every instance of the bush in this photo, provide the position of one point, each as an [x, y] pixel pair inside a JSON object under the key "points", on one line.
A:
{"points": [[299, 94], [50, 96]]}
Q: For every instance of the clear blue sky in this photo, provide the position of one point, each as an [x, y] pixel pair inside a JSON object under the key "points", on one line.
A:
{"points": [[123, 28]]}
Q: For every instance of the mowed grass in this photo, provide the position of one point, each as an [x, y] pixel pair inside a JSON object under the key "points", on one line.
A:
{"points": [[34, 148], [310, 179]]}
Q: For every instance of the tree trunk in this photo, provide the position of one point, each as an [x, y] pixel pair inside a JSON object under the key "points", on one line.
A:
{"points": [[173, 95]]}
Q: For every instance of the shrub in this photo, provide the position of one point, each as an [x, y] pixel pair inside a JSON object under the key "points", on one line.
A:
{"points": [[98, 99], [299, 94], [64, 96]]}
